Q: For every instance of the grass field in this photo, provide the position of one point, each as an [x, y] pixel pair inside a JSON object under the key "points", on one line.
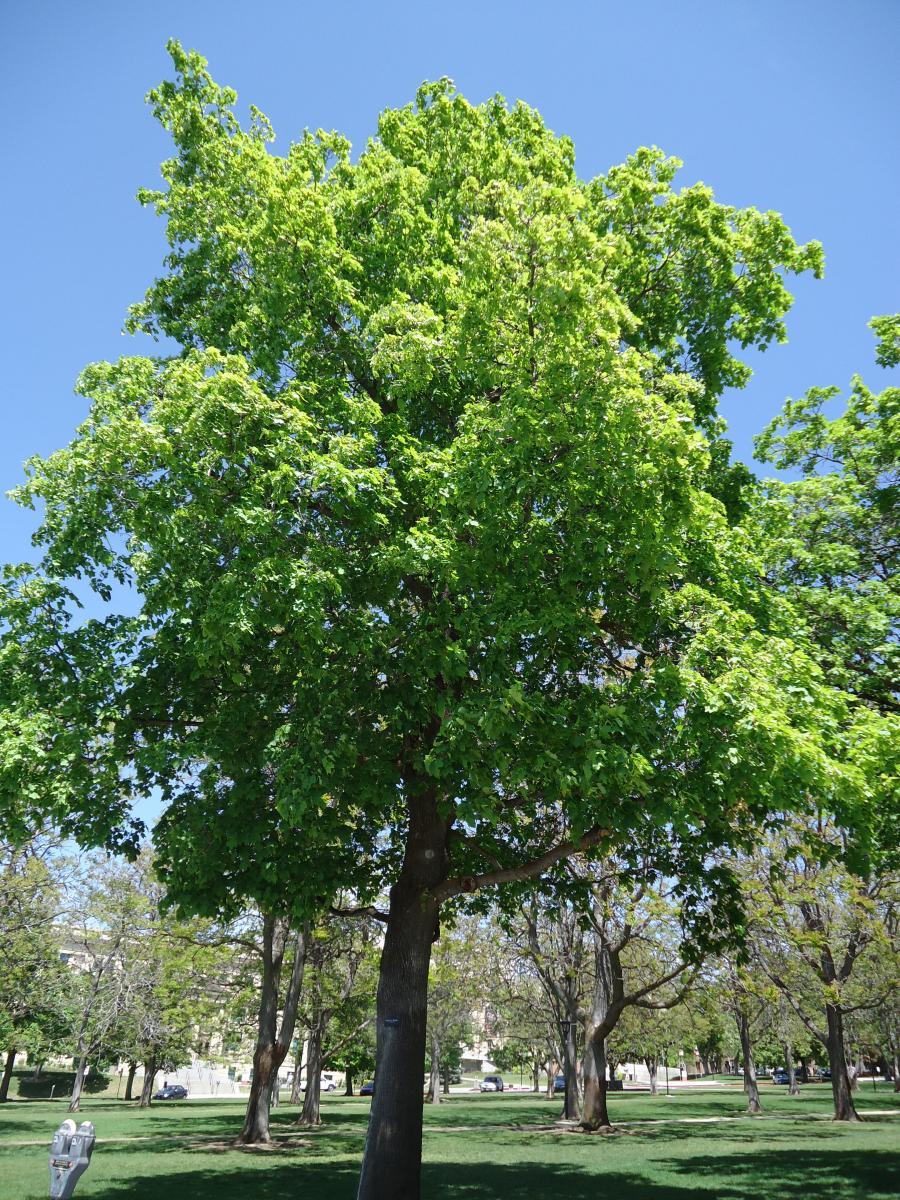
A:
{"points": [[696, 1143]]}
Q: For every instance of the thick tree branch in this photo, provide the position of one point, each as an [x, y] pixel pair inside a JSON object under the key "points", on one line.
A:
{"points": [[460, 884]]}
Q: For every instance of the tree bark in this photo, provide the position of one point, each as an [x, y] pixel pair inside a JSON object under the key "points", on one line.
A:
{"points": [[595, 1114], [272, 1043], [844, 1109], [653, 1069], [750, 1084], [311, 1113], [147, 1090], [348, 1083], [7, 1074], [854, 1071], [434, 1079], [535, 1078], [392, 1157], [793, 1085], [129, 1083], [895, 1068], [78, 1085], [296, 1094]]}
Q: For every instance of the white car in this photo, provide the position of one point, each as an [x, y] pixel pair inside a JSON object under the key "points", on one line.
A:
{"points": [[491, 1083]]}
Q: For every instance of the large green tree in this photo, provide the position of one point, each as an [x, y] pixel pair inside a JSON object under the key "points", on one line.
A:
{"points": [[834, 550], [435, 504]]}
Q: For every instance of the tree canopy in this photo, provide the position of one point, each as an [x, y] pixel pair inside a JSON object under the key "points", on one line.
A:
{"points": [[431, 525]]}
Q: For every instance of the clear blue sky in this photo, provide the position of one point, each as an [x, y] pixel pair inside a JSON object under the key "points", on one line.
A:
{"points": [[785, 104]]}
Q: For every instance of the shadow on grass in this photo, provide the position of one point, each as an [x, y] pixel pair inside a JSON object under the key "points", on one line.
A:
{"points": [[838, 1174], [847, 1175]]}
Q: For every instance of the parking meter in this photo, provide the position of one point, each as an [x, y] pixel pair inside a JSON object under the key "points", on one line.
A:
{"points": [[70, 1153]]}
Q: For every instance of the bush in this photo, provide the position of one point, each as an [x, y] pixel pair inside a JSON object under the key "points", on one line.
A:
{"points": [[59, 1082]]}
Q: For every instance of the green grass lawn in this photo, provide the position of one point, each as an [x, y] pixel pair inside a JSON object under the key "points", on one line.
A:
{"points": [[480, 1146]]}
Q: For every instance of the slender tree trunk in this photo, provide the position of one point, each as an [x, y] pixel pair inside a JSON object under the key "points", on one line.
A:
{"points": [[895, 1067], [393, 1154], [595, 1114], [653, 1068], [348, 1083], [274, 1091], [445, 1083], [129, 1082], [7, 1074], [78, 1085], [535, 1078], [271, 1043], [854, 1071], [296, 1094], [36, 1073], [570, 1064], [256, 1119], [311, 1111], [844, 1109], [750, 1085], [434, 1079], [793, 1086], [149, 1076], [551, 1080]]}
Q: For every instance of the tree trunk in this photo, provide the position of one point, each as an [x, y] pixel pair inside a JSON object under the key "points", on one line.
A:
{"points": [[551, 1080], [535, 1078], [854, 1073], [393, 1153], [895, 1068], [750, 1085], [594, 1113], [7, 1074], [311, 1111], [296, 1094], [793, 1086], [274, 1091], [844, 1109], [36, 1073], [129, 1083], [348, 1082], [149, 1076], [434, 1080], [271, 1043], [653, 1068], [78, 1085]]}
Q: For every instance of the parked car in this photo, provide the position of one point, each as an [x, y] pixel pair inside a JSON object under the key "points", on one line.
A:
{"points": [[823, 1074], [491, 1083], [326, 1084], [172, 1091], [780, 1075], [559, 1083], [368, 1089]]}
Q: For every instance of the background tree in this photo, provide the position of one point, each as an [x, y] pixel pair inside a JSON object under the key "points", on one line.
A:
{"points": [[33, 982], [815, 924], [110, 907], [337, 984], [835, 550], [654, 1036], [458, 986]]}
